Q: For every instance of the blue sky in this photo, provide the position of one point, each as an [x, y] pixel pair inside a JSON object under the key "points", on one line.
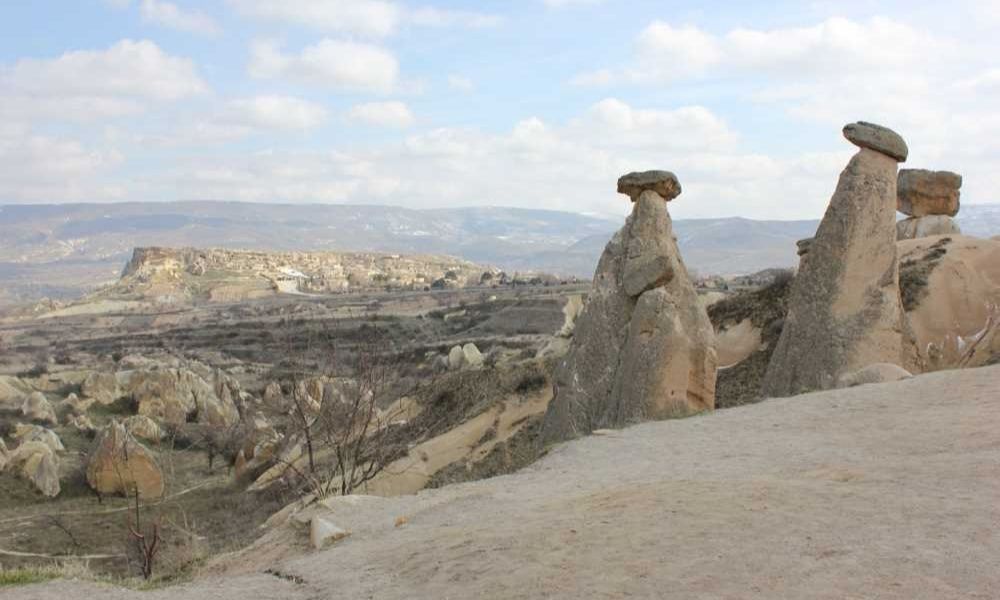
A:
{"points": [[534, 103]]}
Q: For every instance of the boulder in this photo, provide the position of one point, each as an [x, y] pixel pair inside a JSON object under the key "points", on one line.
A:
{"points": [[877, 373], [36, 462], [37, 408], [803, 246], [4, 455], [558, 346], [921, 193], [571, 310], [323, 532], [456, 358], [465, 357], [121, 465], [143, 428], [12, 391], [471, 356], [920, 227], [642, 346], [281, 462], [845, 310], [663, 183], [878, 138], [33, 433], [82, 423], [175, 395], [76, 405], [102, 387]]}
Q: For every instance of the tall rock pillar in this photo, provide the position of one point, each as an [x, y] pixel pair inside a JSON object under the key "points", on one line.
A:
{"points": [[643, 347], [845, 311]]}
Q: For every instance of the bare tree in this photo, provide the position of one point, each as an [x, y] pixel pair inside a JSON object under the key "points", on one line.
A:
{"points": [[346, 437], [144, 538]]}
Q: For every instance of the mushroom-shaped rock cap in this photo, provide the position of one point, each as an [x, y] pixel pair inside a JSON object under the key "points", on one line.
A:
{"points": [[663, 183], [877, 138]]}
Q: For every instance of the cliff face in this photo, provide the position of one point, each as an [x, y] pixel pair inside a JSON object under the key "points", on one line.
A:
{"points": [[216, 274]]}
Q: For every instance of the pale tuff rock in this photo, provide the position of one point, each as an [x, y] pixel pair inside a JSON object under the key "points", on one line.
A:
{"points": [[143, 428], [649, 253], [642, 346], [571, 310], [473, 358], [102, 387], [845, 310], [877, 373], [81, 423], [921, 227], [558, 346], [36, 462], [172, 395], [922, 193], [455, 358], [465, 357], [76, 405], [4, 455], [323, 532], [285, 459], [121, 465], [37, 408], [878, 138], [12, 390], [33, 433], [663, 183]]}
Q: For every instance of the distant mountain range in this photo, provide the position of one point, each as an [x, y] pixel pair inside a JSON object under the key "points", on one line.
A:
{"points": [[63, 250]]}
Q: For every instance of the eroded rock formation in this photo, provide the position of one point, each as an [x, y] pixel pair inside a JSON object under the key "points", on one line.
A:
{"points": [[845, 311], [929, 199], [643, 346], [121, 465]]}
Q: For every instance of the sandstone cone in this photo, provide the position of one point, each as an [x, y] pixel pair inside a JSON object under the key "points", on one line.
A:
{"points": [[642, 346], [121, 465], [845, 311]]}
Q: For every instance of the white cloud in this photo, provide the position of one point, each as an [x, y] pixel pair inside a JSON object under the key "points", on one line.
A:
{"points": [[170, 15], [351, 66], [939, 92], [385, 114], [365, 17], [374, 18], [86, 85], [36, 168], [127, 69], [678, 51], [461, 83], [278, 112], [667, 53]]}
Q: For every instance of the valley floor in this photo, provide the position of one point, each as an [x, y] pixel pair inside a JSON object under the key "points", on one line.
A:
{"points": [[883, 491]]}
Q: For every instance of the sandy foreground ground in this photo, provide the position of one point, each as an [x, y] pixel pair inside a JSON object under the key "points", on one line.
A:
{"points": [[882, 491]]}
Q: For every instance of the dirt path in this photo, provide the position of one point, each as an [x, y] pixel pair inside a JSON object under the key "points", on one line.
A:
{"points": [[888, 491]]}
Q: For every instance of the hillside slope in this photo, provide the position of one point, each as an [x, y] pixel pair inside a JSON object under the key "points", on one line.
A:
{"points": [[887, 491]]}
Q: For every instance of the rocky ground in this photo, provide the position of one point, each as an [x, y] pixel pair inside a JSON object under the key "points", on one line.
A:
{"points": [[887, 491], [469, 424]]}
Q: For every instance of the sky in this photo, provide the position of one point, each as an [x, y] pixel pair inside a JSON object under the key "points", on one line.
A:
{"points": [[527, 103]]}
